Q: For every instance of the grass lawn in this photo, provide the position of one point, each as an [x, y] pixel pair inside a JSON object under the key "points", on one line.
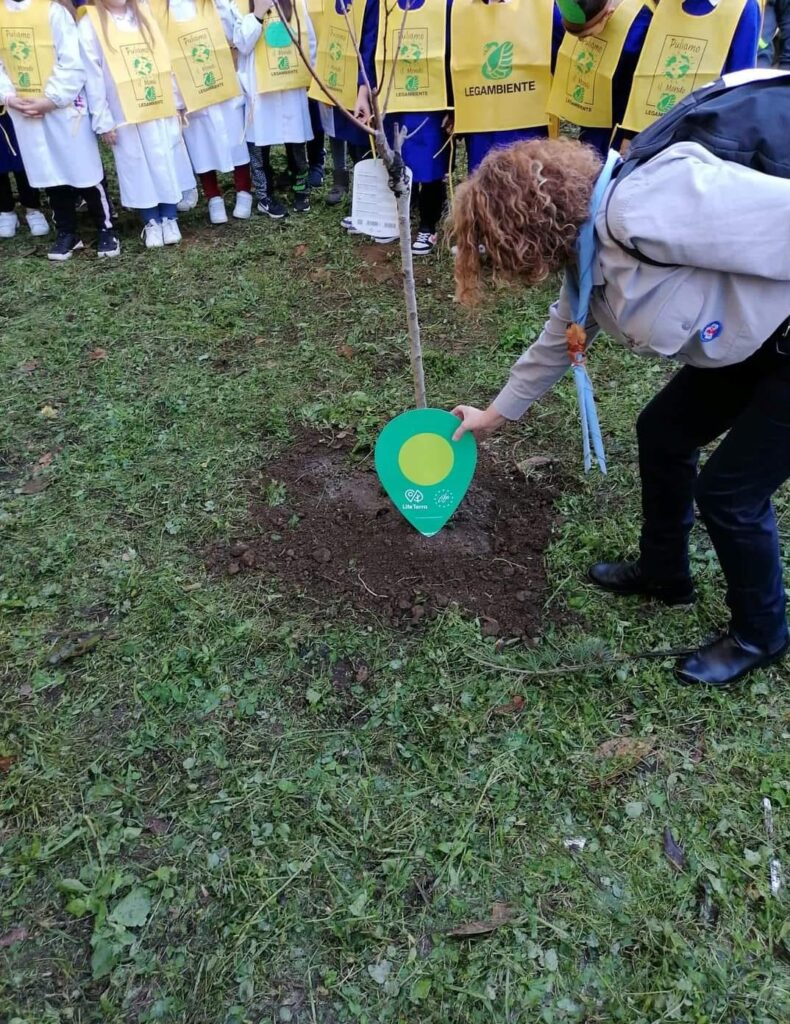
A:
{"points": [[221, 804]]}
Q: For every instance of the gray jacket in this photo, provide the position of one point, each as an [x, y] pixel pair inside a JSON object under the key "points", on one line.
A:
{"points": [[725, 230]]}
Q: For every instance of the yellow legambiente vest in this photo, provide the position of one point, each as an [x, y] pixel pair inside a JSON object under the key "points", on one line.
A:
{"points": [[337, 65], [278, 65], [681, 53], [419, 83], [27, 47], [315, 8], [200, 55], [501, 64], [141, 72], [584, 75]]}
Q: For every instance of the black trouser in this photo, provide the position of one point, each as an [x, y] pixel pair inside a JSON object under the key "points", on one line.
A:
{"points": [[297, 161], [28, 197], [431, 198], [315, 147], [63, 200], [750, 401]]}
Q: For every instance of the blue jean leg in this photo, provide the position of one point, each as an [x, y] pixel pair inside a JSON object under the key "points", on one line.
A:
{"points": [[168, 211]]}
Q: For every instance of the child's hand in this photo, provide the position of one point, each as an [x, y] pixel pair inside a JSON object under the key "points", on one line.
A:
{"points": [[39, 107], [110, 137], [260, 8], [362, 106], [479, 422]]}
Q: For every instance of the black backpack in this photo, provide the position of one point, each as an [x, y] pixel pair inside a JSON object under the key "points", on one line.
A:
{"points": [[744, 117]]}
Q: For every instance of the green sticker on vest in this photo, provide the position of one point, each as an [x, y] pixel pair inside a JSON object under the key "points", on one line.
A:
{"points": [[425, 473]]}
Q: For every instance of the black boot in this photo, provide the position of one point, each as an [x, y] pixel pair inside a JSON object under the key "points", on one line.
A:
{"points": [[626, 579], [339, 189], [725, 661]]}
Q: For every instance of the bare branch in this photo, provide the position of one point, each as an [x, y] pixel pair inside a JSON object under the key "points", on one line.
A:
{"points": [[391, 82]]}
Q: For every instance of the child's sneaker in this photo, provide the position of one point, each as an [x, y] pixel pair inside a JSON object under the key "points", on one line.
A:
{"points": [[37, 223], [9, 222], [65, 245], [152, 233], [243, 208], [347, 225], [171, 234], [109, 244], [272, 208], [302, 202], [188, 200], [384, 239], [315, 177], [424, 243], [217, 214]]}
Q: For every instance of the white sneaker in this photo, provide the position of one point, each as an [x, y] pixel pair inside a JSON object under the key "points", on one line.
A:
{"points": [[217, 213], [9, 222], [384, 239], [170, 233], [37, 223], [188, 201], [152, 233], [243, 208], [346, 225]]}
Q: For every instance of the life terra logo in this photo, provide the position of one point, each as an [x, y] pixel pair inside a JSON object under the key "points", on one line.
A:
{"points": [[19, 44], [498, 61], [201, 55]]}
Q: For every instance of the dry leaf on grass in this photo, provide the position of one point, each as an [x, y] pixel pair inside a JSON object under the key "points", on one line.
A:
{"points": [[30, 366], [97, 355], [515, 706], [501, 913], [300, 250], [634, 748], [674, 852], [35, 485], [158, 826], [346, 351], [5, 764], [44, 461], [74, 648], [49, 412], [18, 934]]}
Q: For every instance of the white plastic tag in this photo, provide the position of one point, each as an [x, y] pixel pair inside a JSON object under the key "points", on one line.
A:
{"points": [[374, 209]]}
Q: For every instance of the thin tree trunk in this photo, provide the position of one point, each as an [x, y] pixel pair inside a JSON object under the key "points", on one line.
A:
{"points": [[403, 200]]}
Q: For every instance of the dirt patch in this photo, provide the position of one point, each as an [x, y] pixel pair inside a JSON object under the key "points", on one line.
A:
{"points": [[325, 530]]}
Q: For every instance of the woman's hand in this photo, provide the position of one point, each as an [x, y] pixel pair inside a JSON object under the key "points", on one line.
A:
{"points": [[362, 106], [110, 137], [480, 422]]}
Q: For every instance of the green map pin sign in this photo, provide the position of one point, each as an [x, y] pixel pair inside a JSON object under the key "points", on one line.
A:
{"points": [[425, 473]]}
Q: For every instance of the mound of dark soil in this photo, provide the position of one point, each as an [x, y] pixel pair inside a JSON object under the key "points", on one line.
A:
{"points": [[323, 527]]}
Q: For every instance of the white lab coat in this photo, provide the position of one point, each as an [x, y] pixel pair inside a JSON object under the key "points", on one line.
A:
{"points": [[60, 148], [215, 136], [272, 117], [151, 158]]}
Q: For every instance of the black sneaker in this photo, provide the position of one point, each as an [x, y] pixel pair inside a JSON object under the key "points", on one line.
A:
{"points": [[302, 202], [109, 244], [64, 246], [315, 177], [272, 208]]}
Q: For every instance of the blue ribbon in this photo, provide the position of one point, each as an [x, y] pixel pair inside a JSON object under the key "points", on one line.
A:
{"points": [[579, 285]]}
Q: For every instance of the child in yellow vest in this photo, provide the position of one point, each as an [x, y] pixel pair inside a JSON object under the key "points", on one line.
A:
{"points": [[275, 82], [198, 33], [132, 102], [502, 60], [690, 43], [596, 64], [42, 81]]}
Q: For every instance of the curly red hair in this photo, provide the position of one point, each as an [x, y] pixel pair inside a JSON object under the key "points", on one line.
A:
{"points": [[524, 205]]}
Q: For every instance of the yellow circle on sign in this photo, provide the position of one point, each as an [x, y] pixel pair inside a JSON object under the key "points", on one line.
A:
{"points": [[426, 459]]}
